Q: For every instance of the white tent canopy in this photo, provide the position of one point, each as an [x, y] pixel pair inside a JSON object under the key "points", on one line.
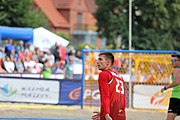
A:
{"points": [[45, 39]]}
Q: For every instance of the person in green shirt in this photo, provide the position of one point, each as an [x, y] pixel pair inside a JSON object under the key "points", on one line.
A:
{"points": [[46, 70], [174, 104]]}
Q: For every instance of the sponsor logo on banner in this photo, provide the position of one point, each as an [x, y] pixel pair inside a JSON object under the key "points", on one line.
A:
{"points": [[23, 90], [92, 94], [75, 94], [70, 92], [150, 97], [161, 98], [7, 90]]}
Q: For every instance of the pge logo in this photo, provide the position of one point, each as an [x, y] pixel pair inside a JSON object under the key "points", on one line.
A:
{"points": [[91, 94], [7, 91], [75, 94]]}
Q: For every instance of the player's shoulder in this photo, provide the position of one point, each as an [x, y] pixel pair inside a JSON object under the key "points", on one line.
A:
{"points": [[112, 72], [104, 72], [115, 74], [109, 73]]}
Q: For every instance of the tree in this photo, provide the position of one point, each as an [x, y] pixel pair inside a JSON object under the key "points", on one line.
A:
{"points": [[20, 13], [155, 23]]}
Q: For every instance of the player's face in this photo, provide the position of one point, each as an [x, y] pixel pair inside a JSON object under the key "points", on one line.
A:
{"points": [[175, 61], [102, 63]]}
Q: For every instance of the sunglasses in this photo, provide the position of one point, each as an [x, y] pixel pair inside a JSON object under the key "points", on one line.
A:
{"points": [[174, 60]]}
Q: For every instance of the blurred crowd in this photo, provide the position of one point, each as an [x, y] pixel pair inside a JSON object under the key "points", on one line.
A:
{"points": [[18, 57]]}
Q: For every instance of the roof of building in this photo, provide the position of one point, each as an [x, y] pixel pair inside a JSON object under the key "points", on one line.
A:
{"points": [[51, 12], [49, 7], [63, 4]]}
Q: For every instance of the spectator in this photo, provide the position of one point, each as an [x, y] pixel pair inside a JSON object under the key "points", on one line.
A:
{"points": [[79, 54], [12, 54], [50, 57], [68, 70], [19, 67], [58, 67], [20, 46], [9, 46], [56, 52], [41, 57], [36, 53], [29, 64], [33, 70], [21, 55], [29, 55], [2, 70], [62, 52], [46, 70], [2, 53], [38, 66], [9, 65], [29, 47]]}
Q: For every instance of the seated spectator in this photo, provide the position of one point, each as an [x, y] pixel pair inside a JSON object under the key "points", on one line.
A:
{"points": [[9, 65], [21, 55], [12, 54], [38, 66], [19, 66], [35, 54], [29, 64], [33, 70], [29, 55], [1, 68]]}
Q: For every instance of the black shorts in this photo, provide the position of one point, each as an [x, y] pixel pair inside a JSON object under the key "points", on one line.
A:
{"points": [[174, 106]]}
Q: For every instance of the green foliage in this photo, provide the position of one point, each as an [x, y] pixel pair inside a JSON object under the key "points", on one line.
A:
{"points": [[155, 23], [110, 46], [83, 45], [20, 13], [63, 35]]}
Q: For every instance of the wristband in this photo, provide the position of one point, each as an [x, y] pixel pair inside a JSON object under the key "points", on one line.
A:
{"points": [[165, 88]]}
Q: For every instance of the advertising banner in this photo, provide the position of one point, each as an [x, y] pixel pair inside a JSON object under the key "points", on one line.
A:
{"points": [[91, 93], [26, 90], [150, 97], [70, 92]]}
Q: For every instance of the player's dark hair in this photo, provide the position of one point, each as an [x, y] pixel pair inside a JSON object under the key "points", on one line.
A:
{"points": [[176, 55], [108, 56]]}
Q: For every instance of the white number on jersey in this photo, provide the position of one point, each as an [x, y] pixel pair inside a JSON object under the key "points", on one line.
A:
{"points": [[121, 85]]}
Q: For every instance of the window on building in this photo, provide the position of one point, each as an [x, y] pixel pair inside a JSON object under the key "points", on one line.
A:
{"points": [[79, 18]]}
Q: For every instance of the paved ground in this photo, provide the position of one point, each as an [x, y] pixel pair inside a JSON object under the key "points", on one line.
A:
{"points": [[53, 111]]}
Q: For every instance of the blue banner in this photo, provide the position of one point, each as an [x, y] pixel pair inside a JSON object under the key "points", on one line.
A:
{"points": [[70, 92]]}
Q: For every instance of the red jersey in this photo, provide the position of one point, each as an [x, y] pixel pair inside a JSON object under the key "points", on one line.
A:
{"points": [[113, 102]]}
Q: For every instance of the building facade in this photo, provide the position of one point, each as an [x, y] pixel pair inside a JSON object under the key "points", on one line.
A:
{"points": [[73, 17]]}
